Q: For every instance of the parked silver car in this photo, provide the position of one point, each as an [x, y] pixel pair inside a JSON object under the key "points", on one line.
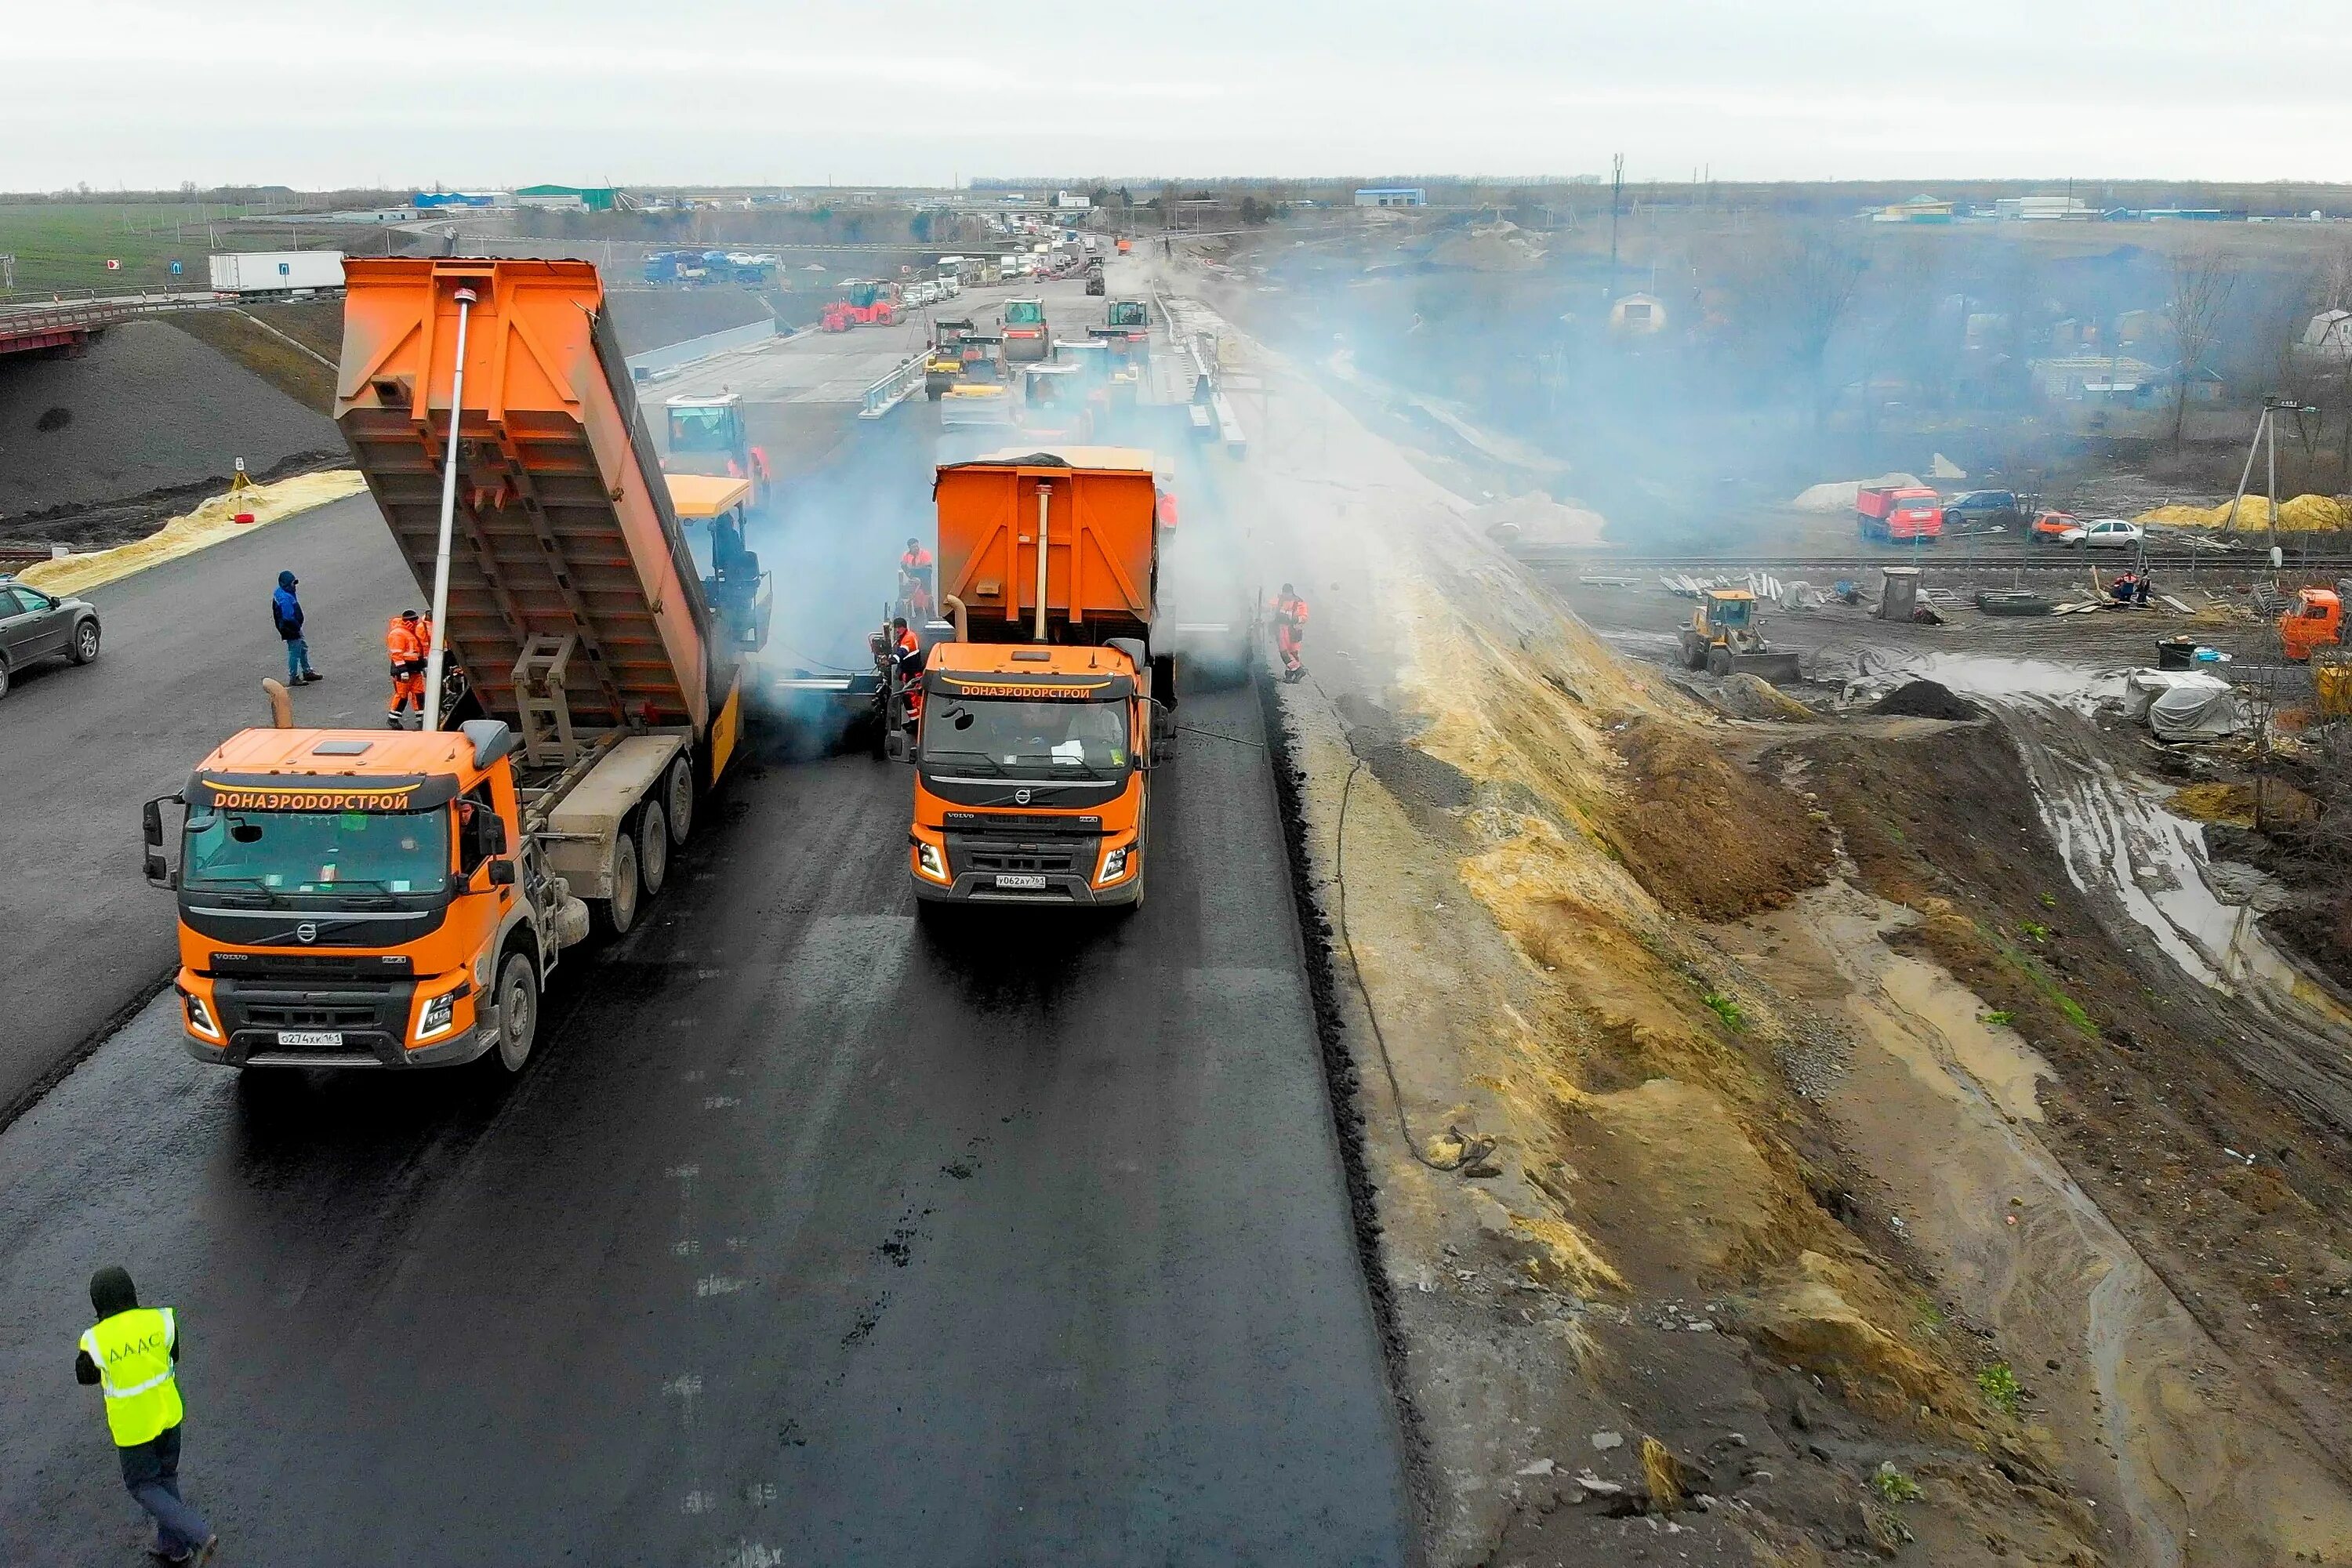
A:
{"points": [[35, 625]]}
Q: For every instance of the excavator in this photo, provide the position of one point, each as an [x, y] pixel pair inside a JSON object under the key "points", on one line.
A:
{"points": [[1725, 637]]}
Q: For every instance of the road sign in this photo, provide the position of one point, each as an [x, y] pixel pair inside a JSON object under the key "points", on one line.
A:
{"points": [[284, 269], [112, 265], [175, 270]]}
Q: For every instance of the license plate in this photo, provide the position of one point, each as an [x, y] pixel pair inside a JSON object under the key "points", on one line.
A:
{"points": [[313, 1038], [1021, 880]]}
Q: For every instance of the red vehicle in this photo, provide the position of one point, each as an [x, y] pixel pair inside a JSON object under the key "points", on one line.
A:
{"points": [[1898, 514]]}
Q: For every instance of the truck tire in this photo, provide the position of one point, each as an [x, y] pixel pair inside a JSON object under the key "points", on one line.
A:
{"points": [[1719, 661], [677, 800], [518, 996], [653, 846], [615, 917]]}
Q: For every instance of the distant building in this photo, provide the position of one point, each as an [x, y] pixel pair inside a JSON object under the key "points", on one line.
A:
{"points": [[2330, 332], [1637, 314], [1918, 209], [1393, 197], [577, 198], [1071, 200], [2042, 209], [2185, 214], [2095, 378], [461, 201]]}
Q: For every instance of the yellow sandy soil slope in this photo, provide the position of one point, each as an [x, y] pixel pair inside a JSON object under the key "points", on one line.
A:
{"points": [[209, 524]]}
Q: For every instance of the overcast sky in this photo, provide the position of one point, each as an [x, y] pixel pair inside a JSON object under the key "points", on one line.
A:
{"points": [[506, 92]]}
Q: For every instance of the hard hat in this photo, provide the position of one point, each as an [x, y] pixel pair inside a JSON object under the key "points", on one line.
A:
{"points": [[408, 615]]}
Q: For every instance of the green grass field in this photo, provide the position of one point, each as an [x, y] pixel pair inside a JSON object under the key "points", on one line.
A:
{"points": [[66, 245]]}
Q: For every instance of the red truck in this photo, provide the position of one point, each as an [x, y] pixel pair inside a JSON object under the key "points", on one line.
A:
{"points": [[1898, 514]]}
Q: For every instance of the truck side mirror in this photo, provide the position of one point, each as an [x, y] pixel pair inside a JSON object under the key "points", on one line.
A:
{"points": [[156, 868], [493, 829], [502, 873], [899, 746]]}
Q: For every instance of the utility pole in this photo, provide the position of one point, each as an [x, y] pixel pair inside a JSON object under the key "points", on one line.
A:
{"points": [[1616, 188]]}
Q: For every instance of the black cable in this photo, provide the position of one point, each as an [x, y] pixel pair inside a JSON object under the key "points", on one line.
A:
{"points": [[1220, 735], [1347, 938]]}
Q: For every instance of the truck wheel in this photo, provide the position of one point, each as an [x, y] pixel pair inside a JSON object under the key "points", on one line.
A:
{"points": [[518, 1010], [615, 916], [653, 846], [677, 800], [1719, 661]]}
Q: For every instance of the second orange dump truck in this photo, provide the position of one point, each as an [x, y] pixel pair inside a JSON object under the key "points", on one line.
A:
{"points": [[383, 899], [1044, 716]]}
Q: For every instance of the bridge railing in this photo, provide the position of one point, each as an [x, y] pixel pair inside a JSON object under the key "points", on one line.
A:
{"points": [[894, 388]]}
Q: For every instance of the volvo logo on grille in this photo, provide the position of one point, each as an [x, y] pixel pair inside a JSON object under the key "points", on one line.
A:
{"points": [[306, 932], [1021, 797]]}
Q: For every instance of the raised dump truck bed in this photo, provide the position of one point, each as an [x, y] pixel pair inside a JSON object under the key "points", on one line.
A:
{"points": [[563, 528]]}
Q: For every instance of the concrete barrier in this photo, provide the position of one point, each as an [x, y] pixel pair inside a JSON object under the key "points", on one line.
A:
{"points": [[677, 356]]}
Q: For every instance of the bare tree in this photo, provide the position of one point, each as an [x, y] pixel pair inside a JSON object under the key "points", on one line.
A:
{"points": [[2202, 279], [1808, 276]]}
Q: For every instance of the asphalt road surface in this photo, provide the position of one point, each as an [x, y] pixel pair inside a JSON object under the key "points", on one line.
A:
{"points": [[187, 646], [812, 1235]]}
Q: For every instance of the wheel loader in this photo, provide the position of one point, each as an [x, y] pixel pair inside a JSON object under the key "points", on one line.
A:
{"points": [[1724, 637]]}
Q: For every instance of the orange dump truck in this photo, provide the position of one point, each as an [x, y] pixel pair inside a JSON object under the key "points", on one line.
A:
{"points": [[382, 898], [1043, 718]]}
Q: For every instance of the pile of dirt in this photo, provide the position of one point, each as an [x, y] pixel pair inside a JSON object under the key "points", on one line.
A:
{"points": [[1706, 837], [147, 408], [1489, 247], [1536, 519], [1840, 495], [1743, 695], [1926, 700]]}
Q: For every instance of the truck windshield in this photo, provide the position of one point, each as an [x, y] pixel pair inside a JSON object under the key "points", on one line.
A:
{"points": [[1027, 740], [317, 851], [1127, 313], [701, 429], [1023, 313]]}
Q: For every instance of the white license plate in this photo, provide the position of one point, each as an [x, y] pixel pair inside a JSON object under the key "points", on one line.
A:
{"points": [[314, 1039], [1021, 880]]}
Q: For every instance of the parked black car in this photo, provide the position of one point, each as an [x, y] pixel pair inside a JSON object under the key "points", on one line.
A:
{"points": [[1981, 509], [35, 625]]}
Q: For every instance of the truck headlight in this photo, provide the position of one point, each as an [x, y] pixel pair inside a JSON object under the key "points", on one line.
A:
{"points": [[930, 861], [200, 1017], [1113, 865], [439, 1013]]}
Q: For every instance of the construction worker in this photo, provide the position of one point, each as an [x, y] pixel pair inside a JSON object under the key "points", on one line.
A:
{"points": [[762, 477], [285, 614], [1290, 632], [408, 643], [906, 660], [915, 579], [130, 1355]]}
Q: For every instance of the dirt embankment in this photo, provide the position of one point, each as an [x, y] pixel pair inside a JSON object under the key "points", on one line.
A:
{"points": [[102, 447], [1634, 1318], [2240, 1204]]}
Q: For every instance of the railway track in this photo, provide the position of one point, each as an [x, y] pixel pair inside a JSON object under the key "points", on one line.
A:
{"points": [[1595, 564]]}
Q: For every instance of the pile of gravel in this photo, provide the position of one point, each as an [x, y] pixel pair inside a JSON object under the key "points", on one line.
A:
{"points": [[1925, 700]]}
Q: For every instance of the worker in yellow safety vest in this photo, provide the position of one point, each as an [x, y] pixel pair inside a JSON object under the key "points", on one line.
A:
{"points": [[130, 1353]]}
